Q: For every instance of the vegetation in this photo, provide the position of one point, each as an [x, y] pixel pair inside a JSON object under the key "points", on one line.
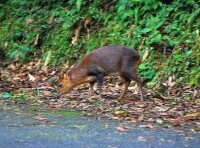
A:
{"points": [[165, 32], [40, 38]]}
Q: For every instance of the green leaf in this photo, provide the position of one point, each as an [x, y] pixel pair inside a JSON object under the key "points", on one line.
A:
{"points": [[78, 4], [187, 53], [136, 15], [25, 48], [121, 8], [159, 121], [160, 24], [174, 68], [119, 112], [154, 5], [17, 28], [65, 24], [145, 30], [13, 54], [165, 37], [21, 96], [142, 66], [158, 38], [6, 95], [22, 55]]}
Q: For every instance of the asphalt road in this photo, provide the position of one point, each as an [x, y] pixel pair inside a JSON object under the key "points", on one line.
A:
{"points": [[20, 129]]}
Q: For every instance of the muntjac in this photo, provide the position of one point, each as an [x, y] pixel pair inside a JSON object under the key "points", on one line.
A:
{"points": [[108, 60]]}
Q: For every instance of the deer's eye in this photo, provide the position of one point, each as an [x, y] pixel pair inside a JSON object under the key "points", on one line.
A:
{"points": [[60, 85]]}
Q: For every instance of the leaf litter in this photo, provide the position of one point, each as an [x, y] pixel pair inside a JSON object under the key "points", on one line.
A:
{"points": [[178, 106]]}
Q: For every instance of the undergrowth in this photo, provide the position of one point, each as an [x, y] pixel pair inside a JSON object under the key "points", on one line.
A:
{"points": [[166, 33]]}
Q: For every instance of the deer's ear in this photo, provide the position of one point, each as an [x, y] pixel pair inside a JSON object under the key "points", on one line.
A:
{"points": [[67, 75], [60, 79]]}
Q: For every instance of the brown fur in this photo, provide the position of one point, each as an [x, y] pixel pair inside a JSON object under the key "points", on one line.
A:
{"points": [[68, 83], [101, 62]]}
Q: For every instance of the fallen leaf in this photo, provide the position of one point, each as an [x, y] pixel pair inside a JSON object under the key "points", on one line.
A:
{"points": [[36, 39], [38, 63], [119, 112], [28, 21], [118, 86], [149, 126], [140, 104], [174, 121], [135, 87], [141, 45], [40, 118], [31, 77], [145, 54], [122, 129], [197, 128], [87, 21], [134, 121], [20, 140], [80, 126], [76, 34], [129, 99], [141, 138], [141, 118], [51, 107], [188, 138], [192, 115], [115, 118]]}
